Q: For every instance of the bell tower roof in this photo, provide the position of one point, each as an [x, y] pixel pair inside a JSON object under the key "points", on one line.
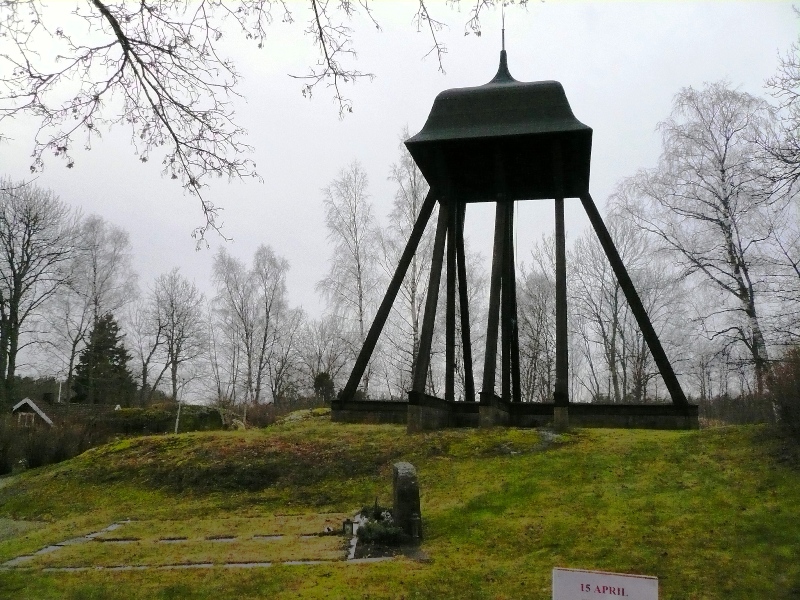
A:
{"points": [[525, 124]]}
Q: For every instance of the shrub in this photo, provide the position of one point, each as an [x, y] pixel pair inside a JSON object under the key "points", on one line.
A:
{"points": [[784, 388], [323, 387], [262, 415], [157, 418], [737, 410], [7, 447], [43, 445], [200, 418], [37, 446]]}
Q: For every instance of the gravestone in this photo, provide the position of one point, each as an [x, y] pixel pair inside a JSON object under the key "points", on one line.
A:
{"points": [[406, 510]]}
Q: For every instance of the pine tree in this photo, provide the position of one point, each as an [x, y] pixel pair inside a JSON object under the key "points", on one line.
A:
{"points": [[102, 375]]}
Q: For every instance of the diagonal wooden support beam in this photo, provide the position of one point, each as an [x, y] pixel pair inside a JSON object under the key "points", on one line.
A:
{"points": [[637, 308], [388, 300], [429, 319]]}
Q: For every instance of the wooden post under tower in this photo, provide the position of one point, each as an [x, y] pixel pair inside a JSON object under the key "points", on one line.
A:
{"points": [[501, 142]]}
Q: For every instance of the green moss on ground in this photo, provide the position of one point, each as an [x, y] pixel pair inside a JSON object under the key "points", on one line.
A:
{"points": [[710, 512]]}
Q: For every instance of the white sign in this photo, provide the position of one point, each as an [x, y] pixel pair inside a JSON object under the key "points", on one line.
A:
{"points": [[574, 584]]}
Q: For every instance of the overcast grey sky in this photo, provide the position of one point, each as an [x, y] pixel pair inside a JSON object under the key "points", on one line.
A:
{"points": [[620, 64]]}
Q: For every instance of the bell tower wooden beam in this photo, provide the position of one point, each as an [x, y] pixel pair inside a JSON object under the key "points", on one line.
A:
{"points": [[638, 310], [463, 293], [388, 300]]}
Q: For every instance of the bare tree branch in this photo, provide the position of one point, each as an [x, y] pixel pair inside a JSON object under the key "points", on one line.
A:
{"points": [[155, 68]]}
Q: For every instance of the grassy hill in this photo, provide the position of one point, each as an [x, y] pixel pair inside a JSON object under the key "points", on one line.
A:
{"points": [[711, 513]]}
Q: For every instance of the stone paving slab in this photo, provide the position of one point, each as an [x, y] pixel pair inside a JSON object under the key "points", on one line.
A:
{"points": [[21, 561]]}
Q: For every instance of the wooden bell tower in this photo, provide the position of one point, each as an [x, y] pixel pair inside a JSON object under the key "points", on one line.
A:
{"points": [[501, 142]]}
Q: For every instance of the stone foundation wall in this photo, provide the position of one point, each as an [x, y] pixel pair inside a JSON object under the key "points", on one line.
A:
{"points": [[369, 411], [429, 412], [634, 416], [423, 412]]}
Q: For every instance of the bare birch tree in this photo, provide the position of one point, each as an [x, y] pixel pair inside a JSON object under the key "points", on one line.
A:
{"points": [[234, 306], [784, 143], [251, 304], [277, 330], [223, 356], [285, 374], [178, 306], [401, 334], [101, 281], [703, 202], [350, 285]]}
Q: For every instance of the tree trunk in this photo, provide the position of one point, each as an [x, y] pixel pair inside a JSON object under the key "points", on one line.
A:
{"points": [[3, 356], [11, 366], [73, 353], [174, 376]]}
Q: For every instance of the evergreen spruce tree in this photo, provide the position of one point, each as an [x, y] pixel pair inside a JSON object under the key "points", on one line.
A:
{"points": [[102, 375]]}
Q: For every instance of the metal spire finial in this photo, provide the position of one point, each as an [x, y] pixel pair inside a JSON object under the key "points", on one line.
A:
{"points": [[503, 76], [503, 15]]}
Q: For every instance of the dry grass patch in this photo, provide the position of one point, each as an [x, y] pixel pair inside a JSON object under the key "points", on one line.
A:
{"points": [[9, 528]]}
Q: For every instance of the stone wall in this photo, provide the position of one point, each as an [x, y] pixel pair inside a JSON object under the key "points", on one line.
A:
{"points": [[634, 416], [73, 411], [369, 411], [429, 412], [424, 412]]}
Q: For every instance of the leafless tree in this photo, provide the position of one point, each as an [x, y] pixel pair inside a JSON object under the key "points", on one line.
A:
{"points": [[223, 356], [105, 270], [350, 285], [101, 280], [145, 334], [151, 66], [235, 312], [782, 224], [705, 200], [285, 374], [323, 348], [68, 319], [156, 67], [781, 257], [252, 305], [37, 239], [537, 330], [625, 368], [537, 325], [784, 143], [276, 328], [401, 334], [178, 308]]}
